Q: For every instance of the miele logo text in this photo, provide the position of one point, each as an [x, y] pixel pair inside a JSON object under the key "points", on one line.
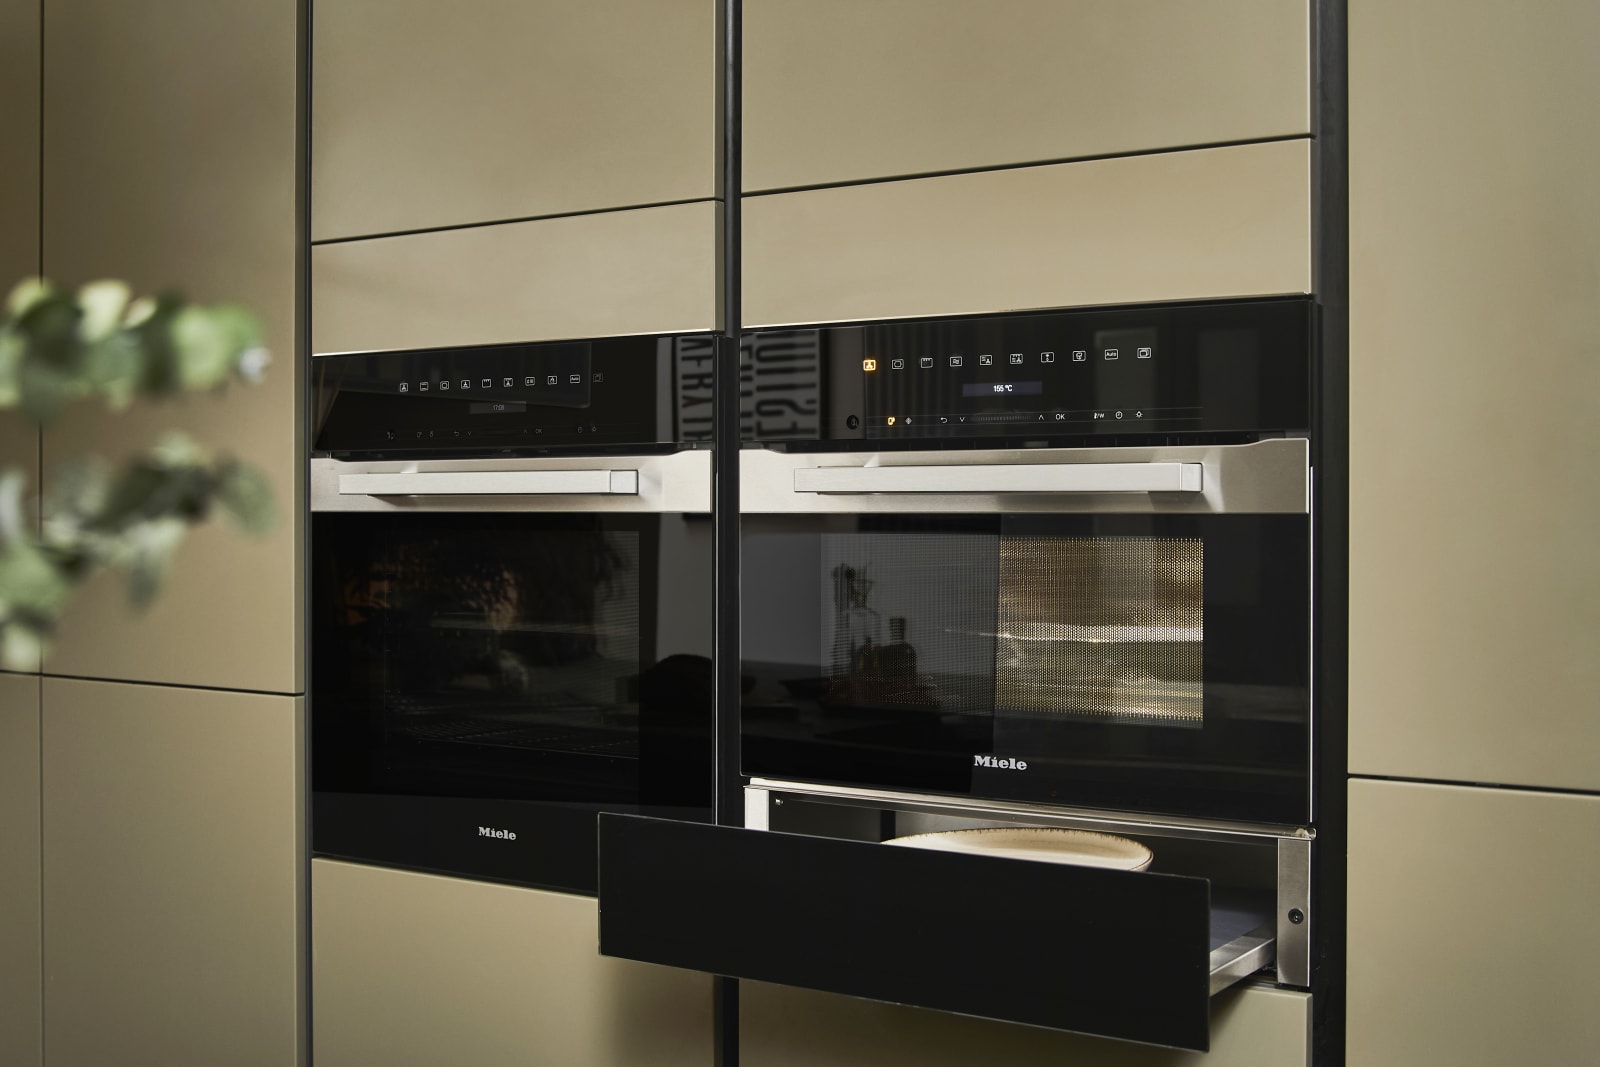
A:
{"points": [[1002, 764], [505, 835]]}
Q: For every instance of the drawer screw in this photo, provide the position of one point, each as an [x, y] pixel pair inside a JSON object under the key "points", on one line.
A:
{"points": [[1297, 916]]}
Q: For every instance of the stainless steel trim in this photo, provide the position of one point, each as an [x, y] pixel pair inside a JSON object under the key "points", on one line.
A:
{"points": [[1038, 814], [757, 808], [1270, 476], [678, 482], [1240, 958], [490, 483], [1008, 478], [1294, 895]]}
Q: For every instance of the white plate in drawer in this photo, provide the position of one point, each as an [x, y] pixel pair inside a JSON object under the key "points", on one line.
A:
{"points": [[1041, 844]]}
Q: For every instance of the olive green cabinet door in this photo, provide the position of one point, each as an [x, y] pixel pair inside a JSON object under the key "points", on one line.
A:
{"points": [[849, 90], [652, 270], [1472, 936], [170, 161], [428, 114], [172, 876], [415, 970], [19, 142], [1251, 1026], [20, 932], [1474, 373], [1213, 223], [19, 195]]}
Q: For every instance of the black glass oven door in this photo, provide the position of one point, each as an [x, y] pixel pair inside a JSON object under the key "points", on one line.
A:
{"points": [[1132, 651], [484, 682]]}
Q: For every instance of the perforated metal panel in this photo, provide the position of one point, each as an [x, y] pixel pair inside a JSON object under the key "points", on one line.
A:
{"points": [[1108, 627]]}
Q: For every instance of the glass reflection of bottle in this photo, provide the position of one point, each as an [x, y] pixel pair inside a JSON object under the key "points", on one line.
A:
{"points": [[897, 661], [858, 630]]}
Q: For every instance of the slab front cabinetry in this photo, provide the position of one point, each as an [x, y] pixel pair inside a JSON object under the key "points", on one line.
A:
{"points": [[780, 1026], [1474, 368], [20, 988], [1472, 934], [1217, 223], [848, 90], [169, 161], [427, 114], [415, 970], [171, 876], [621, 272]]}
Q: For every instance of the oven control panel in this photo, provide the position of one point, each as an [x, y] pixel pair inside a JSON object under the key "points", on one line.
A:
{"points": [[1238, 368], [601, 395]]}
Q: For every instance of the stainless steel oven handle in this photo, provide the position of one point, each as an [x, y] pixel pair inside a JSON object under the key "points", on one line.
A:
{"points": [[492, 483], [1004, 478]]}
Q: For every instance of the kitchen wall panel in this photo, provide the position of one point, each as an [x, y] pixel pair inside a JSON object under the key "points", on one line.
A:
{"points": [[1472, 936], [847, 90], [20, 979], [20, 45], [1474, 364], [1222, 222], [428, 113], [172, 875], [615, 273], [415, 970], [169, 160], [1252, 1026]]}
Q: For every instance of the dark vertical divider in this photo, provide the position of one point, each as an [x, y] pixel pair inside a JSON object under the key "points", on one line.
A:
{"points": [[725, 499], [302, 357], [1330, 532]]}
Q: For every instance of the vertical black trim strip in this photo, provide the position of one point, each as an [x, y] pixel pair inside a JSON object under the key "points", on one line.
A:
{"points": [[725, 498], [1330, 526], [302, 369]]}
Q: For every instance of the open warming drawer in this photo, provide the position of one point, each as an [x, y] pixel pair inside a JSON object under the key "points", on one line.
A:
{"points": [[1128, 955]]}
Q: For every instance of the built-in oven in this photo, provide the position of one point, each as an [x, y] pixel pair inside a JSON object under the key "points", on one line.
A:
{"points": [[510, 605], [1014, 588], [1060, 559]]}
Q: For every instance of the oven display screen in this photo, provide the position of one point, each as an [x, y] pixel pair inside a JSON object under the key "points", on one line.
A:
{"points": [[970, 389]]}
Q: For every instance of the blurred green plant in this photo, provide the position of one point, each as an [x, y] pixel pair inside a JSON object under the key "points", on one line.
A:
{"points": [[58, 348]]}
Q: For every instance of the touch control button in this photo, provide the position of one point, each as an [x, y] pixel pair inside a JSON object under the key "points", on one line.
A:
{"points": [[927, 362], [1112, 353], [1047, 357], [1079, 355], [1143, 353]]}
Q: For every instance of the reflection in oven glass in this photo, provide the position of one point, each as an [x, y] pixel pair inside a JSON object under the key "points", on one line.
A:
{"points": [[512, 643], [912, 621], [1110, 628]]}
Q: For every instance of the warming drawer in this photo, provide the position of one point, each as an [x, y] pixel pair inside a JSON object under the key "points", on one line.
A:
{"points": [[1128, 955]]}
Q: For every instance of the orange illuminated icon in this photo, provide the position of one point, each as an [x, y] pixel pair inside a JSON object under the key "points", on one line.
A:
{"points": [[890, 420], [869, 364]]}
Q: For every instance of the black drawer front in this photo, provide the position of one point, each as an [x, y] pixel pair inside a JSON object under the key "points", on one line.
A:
{"points": [[1099, 952]]}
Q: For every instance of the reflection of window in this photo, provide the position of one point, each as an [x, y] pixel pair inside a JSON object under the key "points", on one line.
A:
{"points": [[1108, 627]]}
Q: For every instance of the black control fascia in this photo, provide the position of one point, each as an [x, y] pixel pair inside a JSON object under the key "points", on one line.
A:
{"points": [[594, 395], [1239, 369]]}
